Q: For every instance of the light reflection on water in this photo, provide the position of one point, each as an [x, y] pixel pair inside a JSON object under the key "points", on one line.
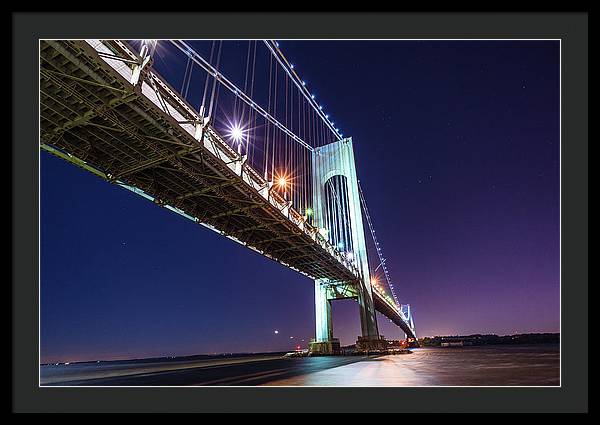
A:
{"points": [[464, 366]]}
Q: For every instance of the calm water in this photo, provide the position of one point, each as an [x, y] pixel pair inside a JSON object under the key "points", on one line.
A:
{"points": [[81, 373], [462, 366]]}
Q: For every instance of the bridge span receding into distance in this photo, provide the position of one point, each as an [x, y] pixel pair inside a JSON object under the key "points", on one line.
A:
{"points": [[105, 109]]}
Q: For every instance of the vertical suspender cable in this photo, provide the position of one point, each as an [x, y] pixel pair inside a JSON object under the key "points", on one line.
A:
{"points": [[214, 87]]}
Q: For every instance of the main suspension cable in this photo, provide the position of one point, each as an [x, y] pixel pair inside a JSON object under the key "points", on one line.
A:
{"points": [[377, 247]]}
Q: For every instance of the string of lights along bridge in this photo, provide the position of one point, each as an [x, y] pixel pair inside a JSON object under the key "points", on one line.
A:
{"points": [[238, 143]]}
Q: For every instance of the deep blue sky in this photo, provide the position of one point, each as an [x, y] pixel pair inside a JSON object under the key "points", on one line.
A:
{"points": [[457, 147]]}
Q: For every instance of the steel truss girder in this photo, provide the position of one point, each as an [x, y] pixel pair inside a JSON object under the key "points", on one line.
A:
{"points": [[205, 190], [126, 115]]}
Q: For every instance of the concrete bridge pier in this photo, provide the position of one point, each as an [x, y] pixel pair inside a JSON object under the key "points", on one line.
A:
{"points": [[324, 343], [370, 340]]}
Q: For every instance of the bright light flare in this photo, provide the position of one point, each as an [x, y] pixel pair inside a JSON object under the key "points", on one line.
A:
{"points": [[282, 181], [236, 133]]}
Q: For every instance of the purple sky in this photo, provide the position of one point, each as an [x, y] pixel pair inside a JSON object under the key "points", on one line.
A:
{"points": [[457, 147]]}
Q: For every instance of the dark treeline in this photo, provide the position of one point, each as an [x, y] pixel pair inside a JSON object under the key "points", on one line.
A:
{"points": [[490, 339]]}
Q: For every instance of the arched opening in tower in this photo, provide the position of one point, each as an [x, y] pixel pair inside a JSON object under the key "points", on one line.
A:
{"points": [[337, 216]]}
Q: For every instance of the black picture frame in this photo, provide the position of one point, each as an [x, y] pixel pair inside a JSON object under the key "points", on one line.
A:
{"points": [[570, 28]]}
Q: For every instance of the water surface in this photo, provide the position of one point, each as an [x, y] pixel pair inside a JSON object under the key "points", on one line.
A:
{"points": [[462, 366], [499, 365]]}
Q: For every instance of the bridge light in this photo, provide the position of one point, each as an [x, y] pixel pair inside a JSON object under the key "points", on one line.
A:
{"points": [[312, 96], [282, 181], [340, 245], [303, 83], [236, 133], [292, 65], [309, 212]]}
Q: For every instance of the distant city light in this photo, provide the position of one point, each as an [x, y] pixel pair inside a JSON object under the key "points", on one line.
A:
{"points": [[276, 332]]}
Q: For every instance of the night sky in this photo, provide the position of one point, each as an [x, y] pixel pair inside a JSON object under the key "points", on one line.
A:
{"points": [[457, 147]]}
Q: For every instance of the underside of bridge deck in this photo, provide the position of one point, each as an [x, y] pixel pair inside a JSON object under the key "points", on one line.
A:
{"points": [[127, 138], [94, 117]]}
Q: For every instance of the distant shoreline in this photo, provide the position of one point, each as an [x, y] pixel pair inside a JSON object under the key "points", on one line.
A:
{"points": [[436, 341], [489, 339], [169, 358]]}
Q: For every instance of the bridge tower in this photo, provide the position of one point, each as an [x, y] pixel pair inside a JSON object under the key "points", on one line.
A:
{"points": [[335, 180]]}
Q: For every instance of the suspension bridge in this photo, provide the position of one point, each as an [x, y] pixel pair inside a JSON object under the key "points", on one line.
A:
{"points": [[253, 157]]}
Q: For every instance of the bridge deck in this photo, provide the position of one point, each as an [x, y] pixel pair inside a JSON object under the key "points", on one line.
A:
{"points": [[143, 138]]}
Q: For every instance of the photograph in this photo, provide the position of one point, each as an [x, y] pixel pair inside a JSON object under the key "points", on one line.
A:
{"points": [[300, 212]]}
